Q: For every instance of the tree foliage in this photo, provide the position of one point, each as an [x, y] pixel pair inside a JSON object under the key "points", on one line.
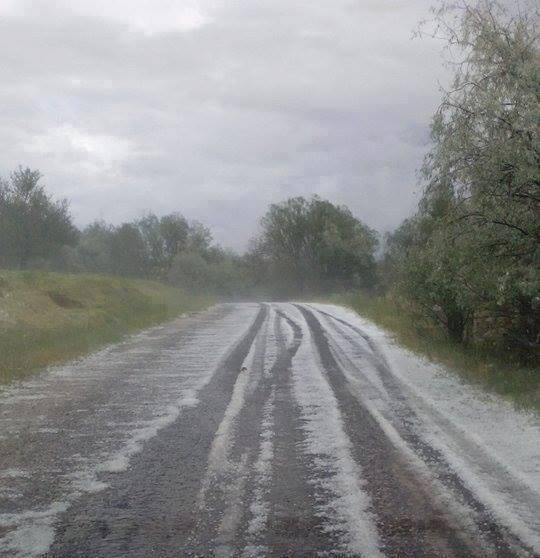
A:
{"points": [[37, 231], [470, 257], [33, 226], [313, 245]]}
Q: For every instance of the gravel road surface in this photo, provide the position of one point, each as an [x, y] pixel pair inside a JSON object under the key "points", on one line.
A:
{"points": [[333, 441]]}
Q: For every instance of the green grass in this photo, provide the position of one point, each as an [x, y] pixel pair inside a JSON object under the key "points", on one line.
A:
{"points": [[49, 318], [500, 373]]}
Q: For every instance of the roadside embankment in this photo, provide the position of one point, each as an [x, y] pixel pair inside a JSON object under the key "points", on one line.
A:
{"points": [[47, 318], [499, 372]]}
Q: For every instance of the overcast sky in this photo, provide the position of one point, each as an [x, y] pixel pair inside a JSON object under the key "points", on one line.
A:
{"points": [[217, 108]]}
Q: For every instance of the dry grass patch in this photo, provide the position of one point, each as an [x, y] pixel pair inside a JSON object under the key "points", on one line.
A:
{"points": [[47, 318]]}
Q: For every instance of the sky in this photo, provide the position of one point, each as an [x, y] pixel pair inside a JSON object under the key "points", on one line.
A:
{"points": [[217, 108]]}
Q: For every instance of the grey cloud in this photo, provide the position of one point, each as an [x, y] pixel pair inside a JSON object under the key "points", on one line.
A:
{"points": [[216, 116]]}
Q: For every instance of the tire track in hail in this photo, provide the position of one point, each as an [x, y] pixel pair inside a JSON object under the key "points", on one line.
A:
{"points": [[220, 502], [502, 543], [409, 523], [264, 505], [337, 479], [149, 509], [295, 527]]}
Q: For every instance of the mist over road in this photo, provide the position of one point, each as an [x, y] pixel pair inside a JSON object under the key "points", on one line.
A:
{"points": [[333, 442]]}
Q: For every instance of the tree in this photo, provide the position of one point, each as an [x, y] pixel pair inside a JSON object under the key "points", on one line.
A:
{"points": [[95, 247], [191, 271], [32, 225], [199, 237], [427, 264], [155, 260], [174, 230], [315, 245], [128, 251], [473, 249], [487, 146]]}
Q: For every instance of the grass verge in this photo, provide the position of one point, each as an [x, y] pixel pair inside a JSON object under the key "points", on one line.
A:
{"points": [[48, 318], [499, 373]]}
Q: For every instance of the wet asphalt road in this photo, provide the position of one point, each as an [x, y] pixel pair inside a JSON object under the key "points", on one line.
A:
{"points": [[162, 446]]}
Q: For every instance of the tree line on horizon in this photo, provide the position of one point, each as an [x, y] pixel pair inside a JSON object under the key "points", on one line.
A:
{"points": [[467, 262], [305, 246]]}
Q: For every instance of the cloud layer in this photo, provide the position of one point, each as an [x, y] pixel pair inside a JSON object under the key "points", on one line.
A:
{"points": [[217, 108]]}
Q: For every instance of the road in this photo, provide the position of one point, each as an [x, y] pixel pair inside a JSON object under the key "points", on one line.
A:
{"points": [[333, 441]]}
